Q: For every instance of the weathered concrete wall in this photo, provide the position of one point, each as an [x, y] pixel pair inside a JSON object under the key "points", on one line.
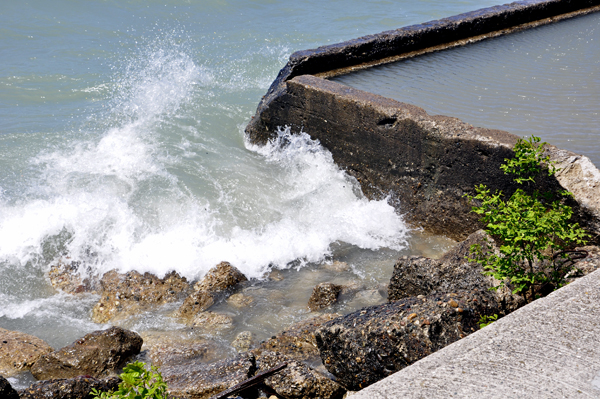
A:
{"points": [[422, 38], [426, 163]]}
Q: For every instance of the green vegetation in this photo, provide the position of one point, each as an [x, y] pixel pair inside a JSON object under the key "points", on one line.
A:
{"points": [[138, 383], [485, 321], [532, 229]]}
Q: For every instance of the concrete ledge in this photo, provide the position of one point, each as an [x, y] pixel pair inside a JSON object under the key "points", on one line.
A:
{"points": [[425, 163], [430, 36], [548, 349]]}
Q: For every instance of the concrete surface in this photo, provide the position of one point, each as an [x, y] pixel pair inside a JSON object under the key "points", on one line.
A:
{"points": [[548, 349], [423, 163]]}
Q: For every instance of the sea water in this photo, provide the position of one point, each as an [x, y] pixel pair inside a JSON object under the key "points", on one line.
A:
{"points": [[543, 82], [122, 147]]}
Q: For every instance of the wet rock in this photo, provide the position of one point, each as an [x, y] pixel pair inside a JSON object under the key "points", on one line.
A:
{"points": [[197, 302], [298, 341], [72, 388], [240, 300], [211, 321], [220, 279], [219, 282], [6, 390], [66, 276], [415, 275], [198, 381], [123, 295], [267, 294], [19, 351], [97, 354], [336, 266], [174, 347], [275, 275], [366, 298], [348, 291], [297, 380], [243, 342], [324, 295], [365, 346]]}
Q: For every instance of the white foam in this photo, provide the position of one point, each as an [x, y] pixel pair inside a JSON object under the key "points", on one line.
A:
{"points": [[120, 197]]}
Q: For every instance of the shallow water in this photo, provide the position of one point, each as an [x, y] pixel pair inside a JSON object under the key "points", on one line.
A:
{"points": [[122, 146], [543, 82]]}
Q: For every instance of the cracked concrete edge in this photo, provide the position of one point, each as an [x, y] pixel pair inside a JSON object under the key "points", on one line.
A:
{"points": [[547, 349]]}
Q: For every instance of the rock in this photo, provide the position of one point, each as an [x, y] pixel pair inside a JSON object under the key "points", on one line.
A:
{"points": [[366, 298], [267, 294], [275, 275], [298, 341], [73, 388], [174, 347], [219, 282], [336, 266], [97, 354], [198, 381], [221, 278], [210, 321], [19, 351], [123, 295], [415, 276], [240, 300], [6, 390], [297, 380], [66, 276], [324, 295], [243, 341], [365, 346], [197, 302], [589, 264], [348, 291]]}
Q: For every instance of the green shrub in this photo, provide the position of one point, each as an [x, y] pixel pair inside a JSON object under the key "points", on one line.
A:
{"points": [[138, 383], [532, 229]]}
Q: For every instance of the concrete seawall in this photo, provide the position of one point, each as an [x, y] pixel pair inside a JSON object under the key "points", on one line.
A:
{"points": [[415, 40], [425, 163]]}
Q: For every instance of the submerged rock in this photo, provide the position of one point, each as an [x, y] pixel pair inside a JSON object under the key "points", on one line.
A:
{"points": [[298, 341], [243, 342], [72, 388], [240, 300], [97, 354], [6, 390], [211, 321], [365, 346], [417, 275], [19, 351], [170, 348], [336, 266], [323, 295], [123, 295], [199, 381], [297, 380]]}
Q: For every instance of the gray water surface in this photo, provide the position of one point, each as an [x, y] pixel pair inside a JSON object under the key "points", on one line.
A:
{"points": [[543, 82]]}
